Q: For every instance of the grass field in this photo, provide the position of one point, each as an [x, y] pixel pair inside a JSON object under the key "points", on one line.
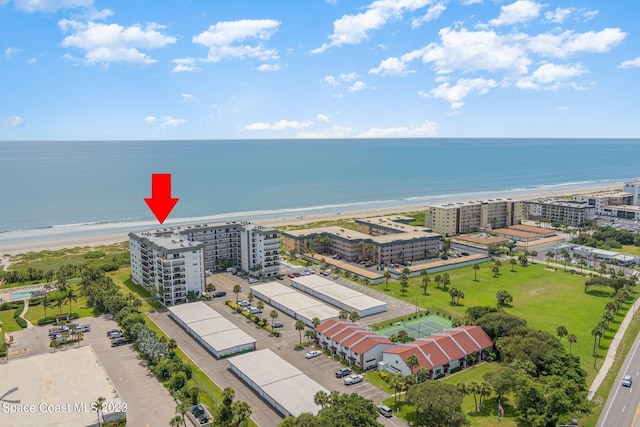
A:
{"points": [[546, 299], [629, 250], [52, 260], [36, 312]]}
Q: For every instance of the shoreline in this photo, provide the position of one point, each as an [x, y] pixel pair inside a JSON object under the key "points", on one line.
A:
{"points": [[99, 237]]}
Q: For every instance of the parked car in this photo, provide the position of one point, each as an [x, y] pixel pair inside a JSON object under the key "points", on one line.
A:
{"points": [[252, 280], [353, 379], [280, 277], [117, 334], [626, 380], [244, 303], [219, 294], [120, 341], [335, 277], [312, 354], [343, 372], [254, 310], [83, 328], [277, 325], [385, 411]]}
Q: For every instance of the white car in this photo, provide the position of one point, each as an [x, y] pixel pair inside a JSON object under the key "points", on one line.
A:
{"points": [[312, 354], [253, 280], [244, 303], [352, 379]]}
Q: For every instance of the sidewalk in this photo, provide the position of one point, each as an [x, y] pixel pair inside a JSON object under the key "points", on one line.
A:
{"points": [[613, 348], [24, 311]]}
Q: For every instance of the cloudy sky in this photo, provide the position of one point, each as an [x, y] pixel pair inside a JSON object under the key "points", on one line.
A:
{"points": [[179, 69]]}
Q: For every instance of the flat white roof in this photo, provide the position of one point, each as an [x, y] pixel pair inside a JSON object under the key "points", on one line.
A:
{"points": [[347, 296], [273, 289], [210, 326], [322, 312], [283, 382], [296, 301]]}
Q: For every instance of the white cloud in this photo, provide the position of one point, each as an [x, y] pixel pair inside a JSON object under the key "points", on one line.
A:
{"points": [[13, 122], [470, 2], [357, 86], [559, 15], [225, 39], [32, 60], [8, 53], [348, 77], [50, 5], [322, 118], [352, 29], [187, 97], [632, 63], [170, 122], [268, 67], [150, 119], [334, 131], [568, 42], [515, 13], [432, 14], [330, 80], [393, 66], [185, 65], [279, 125], [107, 43], [425, 129], [551, 77], [457, 93]]}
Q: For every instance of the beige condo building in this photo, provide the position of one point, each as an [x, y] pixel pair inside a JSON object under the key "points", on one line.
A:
{"points": [[451, 219]]}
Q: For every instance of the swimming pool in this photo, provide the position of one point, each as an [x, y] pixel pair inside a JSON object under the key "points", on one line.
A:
{"points": [[21, 295]]}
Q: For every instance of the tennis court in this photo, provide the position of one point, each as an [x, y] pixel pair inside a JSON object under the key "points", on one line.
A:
{"points": [[418, 328]]}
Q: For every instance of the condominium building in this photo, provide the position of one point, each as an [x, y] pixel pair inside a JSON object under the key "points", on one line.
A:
{"points": [[600, 201], [568, 212], [633, 188], [168, 265], [386, 244], [465, 217]]}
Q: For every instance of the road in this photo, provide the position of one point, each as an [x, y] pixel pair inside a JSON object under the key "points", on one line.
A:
{"points": [[623, 406]]}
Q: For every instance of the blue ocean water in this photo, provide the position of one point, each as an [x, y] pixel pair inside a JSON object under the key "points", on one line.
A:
{"points": [[101, 185]]}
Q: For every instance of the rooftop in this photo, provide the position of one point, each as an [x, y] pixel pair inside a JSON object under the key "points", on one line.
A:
{"points": [[452, 205]]}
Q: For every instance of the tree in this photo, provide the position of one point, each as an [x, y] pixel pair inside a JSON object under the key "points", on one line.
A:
{"points": [[523, 260], [176, 421], [315, 322], [438, 280], [425, 280], [309, 335], [338, 409], [71, 297], [260, 307], [566, 256], [354, 316], [446, 280], [387, 276], [474, 388], [236, 290], [502, 381], [46, 302], [504, 298], [299, 325], [250, 298], [240, 411], [393, 380], [99, 405], [274, 315], [437, 404], [422, 375], [476, 267], [495, 270], [343, 315], [412, 363], [404, 283], [561, 331], [572, 339], [485, 390], [181, 409], [513, 262], [550, 256]]}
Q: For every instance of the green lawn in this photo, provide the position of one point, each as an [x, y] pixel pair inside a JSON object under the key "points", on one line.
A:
{"points": [[35, 313], [629, 250], [546, 299], [8, 322], [52, 260]]}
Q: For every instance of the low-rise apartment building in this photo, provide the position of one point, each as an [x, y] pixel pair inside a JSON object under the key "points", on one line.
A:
{"points": [[633, 188], [568, 212], [466, 217], [601, 201], [167, 265]]}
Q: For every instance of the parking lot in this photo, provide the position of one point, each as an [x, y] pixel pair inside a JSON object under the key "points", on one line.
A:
{"points": [[148, 402]]}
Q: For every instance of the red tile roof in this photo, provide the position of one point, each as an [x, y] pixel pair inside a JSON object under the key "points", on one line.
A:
{"points": [[479, 335], [447, 344], [406, 350], [346, 332], [466, 341], [369, 342], [357, 337], [327, 324]]}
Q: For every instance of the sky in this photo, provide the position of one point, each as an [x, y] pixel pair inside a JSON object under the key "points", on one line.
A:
{"points": [[255, 69]]}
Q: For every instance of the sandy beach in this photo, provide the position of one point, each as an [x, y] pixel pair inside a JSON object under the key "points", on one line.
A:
{"points": [[93, 241]]}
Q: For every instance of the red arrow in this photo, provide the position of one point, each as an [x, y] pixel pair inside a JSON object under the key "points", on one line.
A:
{"points": [[161, 203]]}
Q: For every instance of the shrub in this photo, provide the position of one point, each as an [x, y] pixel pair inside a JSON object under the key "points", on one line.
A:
{"points": [[46, 321], [21, 322], [8, 306], [18, 311], [94, 255]]}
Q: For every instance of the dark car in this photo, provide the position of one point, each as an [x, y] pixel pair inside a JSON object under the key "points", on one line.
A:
{"points": [[219, 294], [120, 341], [343, 372]]}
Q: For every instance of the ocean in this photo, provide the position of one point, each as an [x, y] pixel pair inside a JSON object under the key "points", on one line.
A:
{"points": [[55, 188]]}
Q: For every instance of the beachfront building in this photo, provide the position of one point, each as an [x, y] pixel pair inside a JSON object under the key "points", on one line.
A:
{"points": [[466, 217], [624, 212], [353, 343], [408, 244], [251, 247], [167, 265], [440, 353], [382, 225], [601, 201], [633, 188], [568, 212]]}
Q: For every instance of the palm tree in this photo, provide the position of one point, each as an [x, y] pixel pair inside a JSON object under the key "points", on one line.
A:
{"points": [[394, 381], [321, 399], [387, 276], [425, 281], [71, 297], [438, 280], [533, 255], [596, 333], [99, 405], [315, 322], [260, 307], [309, 335], [176, 421], [485, 390], [181, 409], [274, 315], [300, 327], [476, 267], [513, 262], [561, 331], [404, 283], [495, 270], [236, 290], [446, 280], [46, 302], [343, 315], [572, 339], [241, 411], [250, 298], [549, 255], [354, 316], [566, 256], [422, 375], [474, 388], [412, 362], [60, 302], [137, 304]]}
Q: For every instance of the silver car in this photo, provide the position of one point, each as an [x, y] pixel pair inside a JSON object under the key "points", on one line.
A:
{"points": [[626, 380]]}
